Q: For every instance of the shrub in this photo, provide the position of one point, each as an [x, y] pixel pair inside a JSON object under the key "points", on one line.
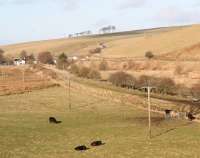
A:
{"points": [[147, 81], [95, 51], [94, 74], [122, 79], [149, 55], [74, 69], [103, 65], [45, 58], [84, 72]]}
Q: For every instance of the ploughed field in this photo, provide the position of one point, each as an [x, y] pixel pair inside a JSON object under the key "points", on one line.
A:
{"points": [[95, 115]]}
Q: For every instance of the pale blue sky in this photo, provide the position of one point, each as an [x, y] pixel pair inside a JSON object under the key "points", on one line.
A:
{"points": [[28, 20]]}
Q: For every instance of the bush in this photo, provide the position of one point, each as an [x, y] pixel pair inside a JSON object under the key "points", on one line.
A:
{"points": [[162, 85], [178, 70], [45, 58], [147, 81], [195, 91], [1, 51], [94, 74], [166, 86], [23, 55], [131, 64], [103, 65], [2, 58], [122, 79], [84, 72], [74, 69], [149, 55], [95, 51]]}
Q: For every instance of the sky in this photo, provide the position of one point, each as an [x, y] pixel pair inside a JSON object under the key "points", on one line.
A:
{"points": [[31, 20]]}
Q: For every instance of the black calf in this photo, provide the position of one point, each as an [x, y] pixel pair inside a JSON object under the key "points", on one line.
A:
{"points": [[97, 143], [81, 148], [53, 120], [190, 116]]}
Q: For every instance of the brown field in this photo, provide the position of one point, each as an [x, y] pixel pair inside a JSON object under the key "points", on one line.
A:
{"points": [[12, 80]]}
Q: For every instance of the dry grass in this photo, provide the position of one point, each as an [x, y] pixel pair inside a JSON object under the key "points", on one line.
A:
{"points": [[11, 80], [159, 42]]}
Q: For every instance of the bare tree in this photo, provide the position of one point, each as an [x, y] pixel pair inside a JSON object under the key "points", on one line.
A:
{"points": [[45, 58], [23, 55]]}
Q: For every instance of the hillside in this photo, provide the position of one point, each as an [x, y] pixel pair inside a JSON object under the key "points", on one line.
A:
{"points": [[124, 44], [189, 53]]}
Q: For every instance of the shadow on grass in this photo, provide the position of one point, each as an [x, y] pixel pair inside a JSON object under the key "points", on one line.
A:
{"points": [[156, 121], [160, 122], [172, 129]]}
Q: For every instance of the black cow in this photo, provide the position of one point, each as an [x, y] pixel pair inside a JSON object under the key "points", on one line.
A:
{"points": [[190, 116], [97, 143], [53, 120], [168, 113], [81, 148]]}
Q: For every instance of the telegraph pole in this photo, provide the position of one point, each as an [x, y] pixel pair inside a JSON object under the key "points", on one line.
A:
{"points": [[23, 78], [69, 91], [148, 88]]}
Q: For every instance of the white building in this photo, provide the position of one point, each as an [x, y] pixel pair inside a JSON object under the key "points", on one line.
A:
{"points": [[18, 62]]}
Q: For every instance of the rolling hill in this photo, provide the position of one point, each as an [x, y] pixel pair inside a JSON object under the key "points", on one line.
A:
{"points": [[122, 44]]}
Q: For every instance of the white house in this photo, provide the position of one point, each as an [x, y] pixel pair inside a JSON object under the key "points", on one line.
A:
{"points": [[18, 62]]}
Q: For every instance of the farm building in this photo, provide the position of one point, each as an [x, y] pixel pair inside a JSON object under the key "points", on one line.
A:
{"points": [[18, 62]]}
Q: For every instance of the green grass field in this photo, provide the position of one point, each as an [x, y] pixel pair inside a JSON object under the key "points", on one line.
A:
{"points": [[26, 133]]}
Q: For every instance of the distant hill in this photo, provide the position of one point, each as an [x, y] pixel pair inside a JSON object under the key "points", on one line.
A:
{"points": [[168, 41]]}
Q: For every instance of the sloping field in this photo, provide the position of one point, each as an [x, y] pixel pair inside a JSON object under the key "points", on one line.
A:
{"points": [[160, 43], [25, 131], [127, 44], [189, 53]]}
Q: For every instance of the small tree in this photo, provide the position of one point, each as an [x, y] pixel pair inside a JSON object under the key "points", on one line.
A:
{"points": [[1, 51], [149, 55], [166, 86], [62, 61], [147, 81], [30, 59], [122, 79], [23, 55], [2, 59], [45, 58]]}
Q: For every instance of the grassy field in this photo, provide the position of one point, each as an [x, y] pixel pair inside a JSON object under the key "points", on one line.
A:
{"points": [[25, 131]]}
